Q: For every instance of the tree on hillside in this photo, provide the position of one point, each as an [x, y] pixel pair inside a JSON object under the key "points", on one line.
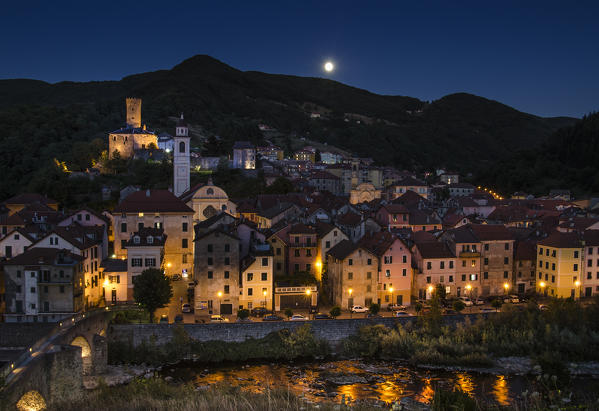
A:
{"points": [[152, 290], [280, 186]]}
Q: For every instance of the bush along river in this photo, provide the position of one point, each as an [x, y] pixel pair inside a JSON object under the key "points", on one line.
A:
{"points": [[357, 381]]}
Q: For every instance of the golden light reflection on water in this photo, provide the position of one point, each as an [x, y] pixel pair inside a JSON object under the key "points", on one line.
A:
{"points": [[426, 393], [464, 382], [350, 392], [500, 390]]}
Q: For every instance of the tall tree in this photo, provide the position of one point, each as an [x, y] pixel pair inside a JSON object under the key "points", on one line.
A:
{"points": [[152, 290]]}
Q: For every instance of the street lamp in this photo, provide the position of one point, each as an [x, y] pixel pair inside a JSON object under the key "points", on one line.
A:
{"points": [[542, 285], [350, 291], [469, 288], [264, 294], [506, 286], [430, 290], [220, 294], [391, 291], [577, 284]]}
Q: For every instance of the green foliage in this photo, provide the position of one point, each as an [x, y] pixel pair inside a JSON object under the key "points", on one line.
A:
{"points": [[497, 303], [566, 332], [280, 186], [288, 312], [335, 311], [131, 316], [456, 399], [152, 290], [374, 308], [458, 305], [243, 313]]}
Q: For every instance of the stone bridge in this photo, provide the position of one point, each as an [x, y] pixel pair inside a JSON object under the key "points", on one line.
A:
{"points": [[52, 366]]}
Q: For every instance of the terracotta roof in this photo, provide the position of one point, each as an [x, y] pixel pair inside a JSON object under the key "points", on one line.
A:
{"points": [[45, 256], [409, 198], [158, 238], [301, 229], [463, 234], [323, 229], [349, 218], [114, 265], [579, 223], [558, 239], [423, 237], [377, 243], [341, 250], [216, 232], [410, 181], [491, 232], [438, 249], [525, 250], [28, 198], [395, 208], [591, 238], [318, 174], [152, 201], [419, 218]]}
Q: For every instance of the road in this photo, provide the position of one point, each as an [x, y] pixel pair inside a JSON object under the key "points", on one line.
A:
{"points": [[180, 296]]}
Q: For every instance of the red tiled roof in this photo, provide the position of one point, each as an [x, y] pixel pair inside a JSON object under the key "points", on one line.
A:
{"points": [[491, 232], [341, 250], [152, 201], [436, 249], [562, 240], [349, 218], [301, 229], [525, 250]]}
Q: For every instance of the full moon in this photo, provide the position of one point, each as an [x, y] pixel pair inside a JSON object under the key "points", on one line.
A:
{"points": [[328, 66]]}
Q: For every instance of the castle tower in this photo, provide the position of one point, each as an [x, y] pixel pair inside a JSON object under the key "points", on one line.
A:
{"points": [[133, 112], [181, 161]]}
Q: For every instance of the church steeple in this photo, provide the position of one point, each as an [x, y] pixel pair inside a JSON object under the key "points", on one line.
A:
{"points": [[181, 158], [182, 129]]}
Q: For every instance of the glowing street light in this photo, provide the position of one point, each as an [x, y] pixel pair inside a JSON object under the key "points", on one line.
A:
{"points": [[391, 291], [577, 284], [219, 294], [350, 291], [264, 294]]}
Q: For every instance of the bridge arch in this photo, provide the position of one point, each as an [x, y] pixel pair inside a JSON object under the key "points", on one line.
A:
{"points": [[86, 353], [31, 401]]}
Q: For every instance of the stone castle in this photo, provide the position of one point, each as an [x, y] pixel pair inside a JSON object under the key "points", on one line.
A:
{"points": [[134, 136]]}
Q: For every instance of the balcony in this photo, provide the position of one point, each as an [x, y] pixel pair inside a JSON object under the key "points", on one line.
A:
{"points": [[469, 254]]}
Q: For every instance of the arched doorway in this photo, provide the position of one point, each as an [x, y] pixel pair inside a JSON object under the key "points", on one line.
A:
{"points": [[86, 353], [31, 401]]}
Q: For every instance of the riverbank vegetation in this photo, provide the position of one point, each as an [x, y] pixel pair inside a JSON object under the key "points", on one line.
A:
{"points": [[280, 345], [566, 331]]}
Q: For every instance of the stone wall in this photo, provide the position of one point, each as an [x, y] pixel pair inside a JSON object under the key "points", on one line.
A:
{"points": [[331, 330], [21, 334]]}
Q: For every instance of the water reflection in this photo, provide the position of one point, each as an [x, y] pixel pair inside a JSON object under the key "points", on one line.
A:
{"points": [[384, 381], [500, 390]]}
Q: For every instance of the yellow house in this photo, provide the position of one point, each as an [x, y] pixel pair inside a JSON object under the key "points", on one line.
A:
{"points": [[559, 265], [257, 280]]}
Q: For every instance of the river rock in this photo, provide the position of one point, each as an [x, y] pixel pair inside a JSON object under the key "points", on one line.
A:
{"points": [[345, 379], [410, 404], [168, 378]]}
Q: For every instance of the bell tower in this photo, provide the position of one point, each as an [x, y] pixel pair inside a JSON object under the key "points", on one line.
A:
{"points": [[181, 162], [133, 112]]}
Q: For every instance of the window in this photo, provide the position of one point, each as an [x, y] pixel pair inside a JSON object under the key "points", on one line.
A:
{"points": [[429, 265], [62, 289], [296, 267], [184, 227], [486, 247], [136, 262], [210, 261], [552, 278], [540, 250], [210, 274], [463, 277], [182, 147], [209, 248], [505, 274], [428, 280], [264, 261], [442, 265], [540, 263], [451, 264], [184, 258], [32, 289], [279, 251], [250, 291], [308, 253], [575, 254], [369, 289], [589, 276], [123, 227], [368, 275], [589, 263], [575, 267], [350, 262], [590, 250], [227, 261], [404, 272], [507, 246], [226, 289], [388, 259], [463, 263], [226, 274], [227, 248], [184, 243], [387, 273], [473, 277], [308, 267], [506, 260], [327, 244], [404, 259], [553, 266], [486, 275], [451, 278], [296, 252], [150, 262], [250, 276], [264, 276], [442, 279], [140, 226], [369, 261], [350, 276], [486, 261]]}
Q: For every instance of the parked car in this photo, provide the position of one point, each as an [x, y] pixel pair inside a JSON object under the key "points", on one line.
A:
{"points": [[359, 309], [176, 277], [164, 319], [322, 316], [259, 311], [244, 320], [485, 310], [298, 317], [272, 317], [467, 301], [395, 307], [543, 307], [511, 299], [216, 318], [178, 318], [479, 301], [185, 308], [403, 314]]}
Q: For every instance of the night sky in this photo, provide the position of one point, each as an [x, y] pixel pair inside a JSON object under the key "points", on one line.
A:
{"points": [[541, 58]]}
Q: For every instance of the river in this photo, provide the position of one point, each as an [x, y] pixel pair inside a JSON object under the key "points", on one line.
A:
{"points": [[353, 380]]}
